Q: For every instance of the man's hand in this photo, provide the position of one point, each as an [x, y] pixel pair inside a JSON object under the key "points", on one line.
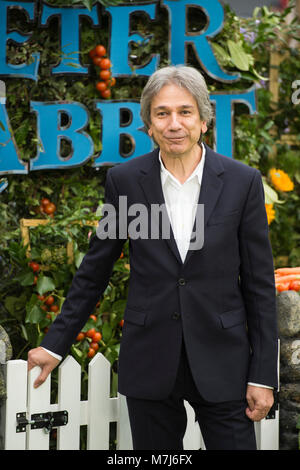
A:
{"points": [[40, 357], [260, 400]]}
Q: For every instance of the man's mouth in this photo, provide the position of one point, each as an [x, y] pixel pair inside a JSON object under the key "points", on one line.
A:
{"points": [[176, 139]]}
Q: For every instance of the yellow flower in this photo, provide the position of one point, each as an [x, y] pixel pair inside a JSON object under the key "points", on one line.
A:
{"points": [[270, 213], [281, 180]]}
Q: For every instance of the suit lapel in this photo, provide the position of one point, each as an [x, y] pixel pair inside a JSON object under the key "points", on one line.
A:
{"points": [[211, 188], [151, 185]]}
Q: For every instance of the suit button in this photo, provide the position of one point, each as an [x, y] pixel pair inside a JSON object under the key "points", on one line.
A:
{"points": [[176, 316], [181, 282]]}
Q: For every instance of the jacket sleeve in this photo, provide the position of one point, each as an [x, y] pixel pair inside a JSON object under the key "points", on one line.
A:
{"points": [[89, 282], [258, 286]]}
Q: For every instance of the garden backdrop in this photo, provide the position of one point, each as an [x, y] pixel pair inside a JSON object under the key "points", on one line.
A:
{"points": [[47, 217]]}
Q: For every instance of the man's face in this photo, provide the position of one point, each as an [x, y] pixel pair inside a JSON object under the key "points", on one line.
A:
{"points": [[175, 121]]}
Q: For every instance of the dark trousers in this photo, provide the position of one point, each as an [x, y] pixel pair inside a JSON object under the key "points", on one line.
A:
{"points": [[161, 425]]}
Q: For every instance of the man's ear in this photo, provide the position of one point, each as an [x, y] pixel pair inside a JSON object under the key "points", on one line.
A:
{"points": [[150, 133], [203, 127]]}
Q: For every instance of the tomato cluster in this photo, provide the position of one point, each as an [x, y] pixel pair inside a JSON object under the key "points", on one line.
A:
{"points": [[100, 59], [47, 207], [94, 337], [35, 268], [49, 305]]}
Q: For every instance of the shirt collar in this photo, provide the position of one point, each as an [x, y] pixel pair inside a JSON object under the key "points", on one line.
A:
{"points": [[197, 172]]}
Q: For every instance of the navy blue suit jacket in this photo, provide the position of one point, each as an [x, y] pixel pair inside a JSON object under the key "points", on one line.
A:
{"points": [[221, 300]]}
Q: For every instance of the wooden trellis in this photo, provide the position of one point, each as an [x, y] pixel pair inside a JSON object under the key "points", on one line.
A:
{"points": [[25, 225], [274, 84]]}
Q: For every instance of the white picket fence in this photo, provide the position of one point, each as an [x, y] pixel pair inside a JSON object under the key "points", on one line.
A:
{"points": [[97, 412]]}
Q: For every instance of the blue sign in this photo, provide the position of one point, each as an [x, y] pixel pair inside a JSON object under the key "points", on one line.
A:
{"points": [[51, 133]]}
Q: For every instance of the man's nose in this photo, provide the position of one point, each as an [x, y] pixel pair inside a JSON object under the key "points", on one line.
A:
{"points": [[174, 122]]}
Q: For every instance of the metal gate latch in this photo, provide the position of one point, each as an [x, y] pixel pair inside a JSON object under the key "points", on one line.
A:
{"points": [[47, 420], [275, 407]]}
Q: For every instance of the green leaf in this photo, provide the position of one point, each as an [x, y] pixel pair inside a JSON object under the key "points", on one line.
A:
{"points": [[106, 332], [238, 55], [220, 52], [47, 190], [74, 65], [77, 353], [119, 306], [260, 77], [271, 197], [31, 333], [45, 284], [88, 325], [256, 12], [34, 314], [26, 279], [87, 3], [15, 306], [105, 306], [78, 257]]}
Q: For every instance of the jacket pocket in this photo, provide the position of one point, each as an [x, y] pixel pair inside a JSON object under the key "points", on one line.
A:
{"points": [[134, 316], [230, 217], [233, 318]]}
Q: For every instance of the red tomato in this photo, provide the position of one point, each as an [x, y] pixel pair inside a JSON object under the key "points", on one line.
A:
{"points": [[105, 64], [91, 352], [111, 82], [106, 93], [97, 60], [94, 346], [50, 208], [101, 86], [92, 53], [97, 336], [90, 333], [49, 300], [45, 201], [100, 50], [104, 74], [34, 266]]}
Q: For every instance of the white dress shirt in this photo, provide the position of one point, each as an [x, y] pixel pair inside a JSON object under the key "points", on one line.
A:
{"points": [[181, 201]]}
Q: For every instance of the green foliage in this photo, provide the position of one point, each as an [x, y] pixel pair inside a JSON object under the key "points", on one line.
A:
{"points": [[85, 3], [243, 45]]}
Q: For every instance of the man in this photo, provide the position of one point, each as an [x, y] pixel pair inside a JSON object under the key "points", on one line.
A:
{"points": [[200, 321]]}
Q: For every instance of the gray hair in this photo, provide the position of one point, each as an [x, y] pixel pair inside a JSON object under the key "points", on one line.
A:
{"points": [[180, 75]]}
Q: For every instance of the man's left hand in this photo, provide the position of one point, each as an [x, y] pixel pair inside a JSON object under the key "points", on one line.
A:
{"points": [[260, 400]]}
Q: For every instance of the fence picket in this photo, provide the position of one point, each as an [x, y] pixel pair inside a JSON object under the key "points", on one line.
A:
{"points": [[69, 388], [16, 402], [38, 401], [124, 439], [192, 438], [98, 403]]}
